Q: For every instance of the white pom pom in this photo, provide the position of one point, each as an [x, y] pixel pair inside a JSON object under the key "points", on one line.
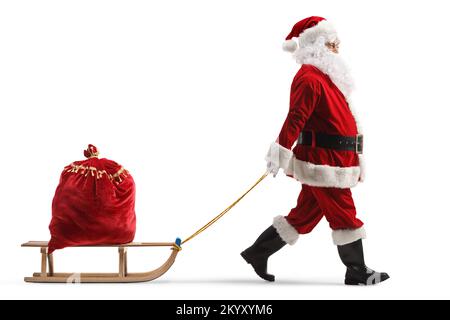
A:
{"points": [[290, 45]]}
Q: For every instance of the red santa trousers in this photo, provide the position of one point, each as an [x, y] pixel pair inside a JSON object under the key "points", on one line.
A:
{"points": [[335, 204]]}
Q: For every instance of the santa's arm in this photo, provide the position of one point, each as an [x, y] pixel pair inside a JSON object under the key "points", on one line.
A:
{"points": [[304, 98]]}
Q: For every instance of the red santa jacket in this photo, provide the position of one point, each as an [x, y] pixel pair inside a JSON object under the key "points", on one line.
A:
{"points": [[317, 105]]}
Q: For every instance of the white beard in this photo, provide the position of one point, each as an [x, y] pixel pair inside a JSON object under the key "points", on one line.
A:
{"points": [[329, 63]]}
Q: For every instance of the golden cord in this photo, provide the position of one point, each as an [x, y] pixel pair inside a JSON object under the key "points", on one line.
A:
{"points": [[206, 226]]}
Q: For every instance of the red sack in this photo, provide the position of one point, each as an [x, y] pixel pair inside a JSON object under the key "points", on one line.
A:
{"points": [[93, 204]]}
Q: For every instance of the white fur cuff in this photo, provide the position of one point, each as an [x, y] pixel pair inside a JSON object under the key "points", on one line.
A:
{"points": [[346, 236], [279, 156], [285, 230]]}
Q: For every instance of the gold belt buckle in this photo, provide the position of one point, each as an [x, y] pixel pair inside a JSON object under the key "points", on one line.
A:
{"points": [[359, 144]]}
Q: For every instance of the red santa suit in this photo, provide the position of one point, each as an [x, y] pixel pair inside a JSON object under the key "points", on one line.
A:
{"points": [[319, 105]]}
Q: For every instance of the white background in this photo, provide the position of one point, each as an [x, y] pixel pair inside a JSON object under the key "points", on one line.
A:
{"points": [[188, 95]]}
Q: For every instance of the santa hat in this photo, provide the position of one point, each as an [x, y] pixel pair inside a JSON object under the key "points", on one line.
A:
{"points": [[308, 31]]}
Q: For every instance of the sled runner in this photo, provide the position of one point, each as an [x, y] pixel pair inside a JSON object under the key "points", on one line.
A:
{"points": [[47, 273]]}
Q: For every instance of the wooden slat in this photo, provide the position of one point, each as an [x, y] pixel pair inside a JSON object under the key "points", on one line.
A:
{"points": [[83, 274], [122, 262], [50, 264], [35, 244], [125, 262], [42, 244], [43, 262], [143, 244]]}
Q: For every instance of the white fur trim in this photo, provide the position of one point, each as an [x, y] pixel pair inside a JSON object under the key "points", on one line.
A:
{"points": [[286, 231], [279, 156], [362, 168], [290, 45], [346, 236], [315, 175], [323, 29]]}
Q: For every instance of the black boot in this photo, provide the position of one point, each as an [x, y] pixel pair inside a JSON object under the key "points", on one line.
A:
{"points": [[267, 244], [352, 256]]}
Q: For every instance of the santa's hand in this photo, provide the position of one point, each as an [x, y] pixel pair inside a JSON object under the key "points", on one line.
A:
{"points": [[272, 169]]}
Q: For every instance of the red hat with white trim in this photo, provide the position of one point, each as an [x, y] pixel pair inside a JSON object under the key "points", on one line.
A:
{"points": [[308, 31]]}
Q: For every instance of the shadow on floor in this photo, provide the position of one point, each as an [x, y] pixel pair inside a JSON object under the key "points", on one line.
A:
{"points": [[255, 282]]}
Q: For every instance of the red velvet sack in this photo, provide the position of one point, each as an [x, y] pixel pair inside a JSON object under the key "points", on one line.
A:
{"points": [[93, 204]]}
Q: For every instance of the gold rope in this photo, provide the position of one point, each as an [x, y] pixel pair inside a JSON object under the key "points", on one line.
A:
{"points": [[206, 226]]}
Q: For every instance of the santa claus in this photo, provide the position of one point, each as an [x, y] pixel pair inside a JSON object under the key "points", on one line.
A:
{"points": [[326, 158]]}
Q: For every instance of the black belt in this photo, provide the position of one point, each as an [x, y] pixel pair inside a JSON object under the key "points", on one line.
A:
{"points": [[329, 141]]}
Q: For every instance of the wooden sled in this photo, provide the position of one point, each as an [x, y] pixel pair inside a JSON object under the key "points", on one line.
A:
{"points": [[47, 273]]}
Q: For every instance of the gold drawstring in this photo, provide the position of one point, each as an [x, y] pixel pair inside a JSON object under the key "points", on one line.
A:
{"points": [[117, 177]]}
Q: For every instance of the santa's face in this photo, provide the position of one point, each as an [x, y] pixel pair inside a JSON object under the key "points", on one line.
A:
{"points": [[333, 46]]}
